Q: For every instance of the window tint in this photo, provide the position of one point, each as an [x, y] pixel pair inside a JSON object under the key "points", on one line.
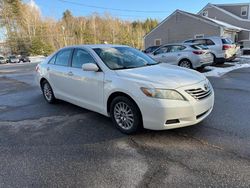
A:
{"points": [[176, 48], [189, 41], [227, 41], [209, 42], [199, 47], [200, 41], [161, 50], [63, 57], [52, 60], [81, 57]]}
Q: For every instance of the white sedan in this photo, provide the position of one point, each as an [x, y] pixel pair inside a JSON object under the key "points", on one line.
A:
{"points": [[127, 85]]}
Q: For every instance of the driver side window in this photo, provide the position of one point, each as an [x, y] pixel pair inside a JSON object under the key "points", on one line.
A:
{"points": [[161, 50], [81, 57]]}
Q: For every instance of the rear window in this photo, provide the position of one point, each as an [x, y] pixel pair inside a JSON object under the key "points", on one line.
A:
{"points": [[227, 41], [188, 41], [199, 47]]}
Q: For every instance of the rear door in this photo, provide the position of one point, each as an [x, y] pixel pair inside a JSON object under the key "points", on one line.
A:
{"points": [[58, 71], [175, 52]]}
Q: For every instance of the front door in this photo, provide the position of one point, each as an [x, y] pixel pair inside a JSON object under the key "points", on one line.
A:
{"points": [[161, 55], [86, 87]]}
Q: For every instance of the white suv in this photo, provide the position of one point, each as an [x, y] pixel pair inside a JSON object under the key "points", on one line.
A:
{"points": [[222, 48], [126, 84]]}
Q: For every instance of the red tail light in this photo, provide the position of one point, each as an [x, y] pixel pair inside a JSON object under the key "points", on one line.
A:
{"points": [[198, 52], [226, 47]]}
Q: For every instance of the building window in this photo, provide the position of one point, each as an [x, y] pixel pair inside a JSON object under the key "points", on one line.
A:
{"points": [[244, 11], [199, 36], [205, 13], [157, 42]]}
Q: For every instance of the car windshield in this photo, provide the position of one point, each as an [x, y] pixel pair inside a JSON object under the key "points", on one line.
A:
{"points": [[123, 58], [12, 57], [1, 58], [199, 47]]}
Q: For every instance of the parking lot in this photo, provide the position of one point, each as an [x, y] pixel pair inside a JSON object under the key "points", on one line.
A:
{"points": [[62, 145]]}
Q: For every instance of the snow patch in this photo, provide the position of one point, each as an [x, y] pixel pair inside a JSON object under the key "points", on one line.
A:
{"points": [[37, 59], [220, 71]]}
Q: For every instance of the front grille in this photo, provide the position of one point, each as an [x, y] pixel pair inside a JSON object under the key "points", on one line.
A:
{"points": [[199, 93]]}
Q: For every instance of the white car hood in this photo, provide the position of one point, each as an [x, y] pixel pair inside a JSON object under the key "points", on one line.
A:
{"points": [[163, 75]]}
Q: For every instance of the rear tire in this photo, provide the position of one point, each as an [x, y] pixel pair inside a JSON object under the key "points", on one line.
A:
{"points": [[214, 60], [125, 115], [186, 64], [48, 92]]}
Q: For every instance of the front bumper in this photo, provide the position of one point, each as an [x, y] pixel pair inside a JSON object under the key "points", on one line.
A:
{"points": [[171, 114]]}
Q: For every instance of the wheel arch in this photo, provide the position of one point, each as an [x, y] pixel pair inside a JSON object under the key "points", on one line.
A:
{"points": [[119, 93], [42, 80], [185, 59]]}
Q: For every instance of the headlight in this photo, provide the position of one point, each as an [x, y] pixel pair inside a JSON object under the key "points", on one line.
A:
{"points": [[209, 84], [162, 93]]}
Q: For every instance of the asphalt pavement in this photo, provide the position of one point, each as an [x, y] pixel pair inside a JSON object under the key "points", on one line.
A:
{"points": [[62, 145]]}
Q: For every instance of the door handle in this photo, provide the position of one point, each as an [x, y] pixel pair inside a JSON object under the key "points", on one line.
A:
{"points": [[70, 73]]}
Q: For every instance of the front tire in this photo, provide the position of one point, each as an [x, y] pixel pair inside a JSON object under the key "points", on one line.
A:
{"points": [[125, 115], [186, 64], [48, 92]]}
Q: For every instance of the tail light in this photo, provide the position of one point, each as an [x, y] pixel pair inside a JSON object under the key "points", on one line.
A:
{"points": [[226, 47], [198, 52]]}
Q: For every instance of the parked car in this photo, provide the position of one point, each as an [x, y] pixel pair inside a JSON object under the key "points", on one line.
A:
{"points": [[127, 85], [150, 49], [2, 60], [222, 48], [24, 59], [184, 55], [12, 59]]}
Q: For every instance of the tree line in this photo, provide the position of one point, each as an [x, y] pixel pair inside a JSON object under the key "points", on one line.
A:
{"points": [[27, 32]]}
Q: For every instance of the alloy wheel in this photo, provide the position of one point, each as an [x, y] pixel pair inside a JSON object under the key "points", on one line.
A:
{"points": [[186, 64], [47, 92], [123, 115]]}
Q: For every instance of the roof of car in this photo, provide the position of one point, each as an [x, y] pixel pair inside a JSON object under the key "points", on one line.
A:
{"points": [[97, 46], [188, 43]]}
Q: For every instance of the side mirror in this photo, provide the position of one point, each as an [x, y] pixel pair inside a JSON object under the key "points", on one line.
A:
{"points": [[90, 67]]}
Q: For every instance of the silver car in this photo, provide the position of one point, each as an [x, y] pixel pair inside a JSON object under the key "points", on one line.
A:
{"points": [[2, 60], [191, 56], [222, 48]]}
